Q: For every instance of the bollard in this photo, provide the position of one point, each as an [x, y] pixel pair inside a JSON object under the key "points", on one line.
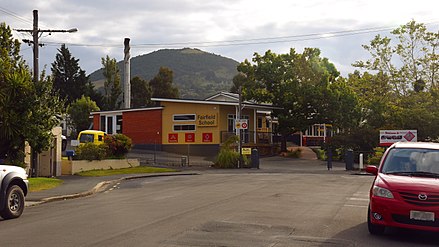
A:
{"points": [[349, 160], [361, 162], [255, 158], [183, 160], [329, 164]]}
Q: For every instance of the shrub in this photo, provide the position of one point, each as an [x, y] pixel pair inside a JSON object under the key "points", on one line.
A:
{"points": [[228, 157], [376, 157], [118, 145], [90, 151]]}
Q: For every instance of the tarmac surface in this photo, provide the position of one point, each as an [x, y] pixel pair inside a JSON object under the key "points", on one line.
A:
{"points": [[74, 186]]}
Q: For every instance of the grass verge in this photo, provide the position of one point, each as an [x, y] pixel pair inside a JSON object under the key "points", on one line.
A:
{"points": [[132, 170], [39, 184]]}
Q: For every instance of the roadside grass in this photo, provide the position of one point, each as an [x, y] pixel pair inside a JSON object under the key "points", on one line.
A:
{"points": [[131, 170], [39, 184]]}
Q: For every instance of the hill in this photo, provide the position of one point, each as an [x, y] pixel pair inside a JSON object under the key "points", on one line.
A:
{"points": [[197, 74]]}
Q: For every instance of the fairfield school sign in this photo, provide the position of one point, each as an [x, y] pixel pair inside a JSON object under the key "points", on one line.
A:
{"points": [[388, 137]]}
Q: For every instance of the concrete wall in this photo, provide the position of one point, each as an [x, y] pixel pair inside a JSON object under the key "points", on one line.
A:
{"points": [[70, 167]]}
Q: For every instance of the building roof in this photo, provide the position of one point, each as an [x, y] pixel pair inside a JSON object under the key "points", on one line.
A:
{"points": [[128, 110], [214, 102]]}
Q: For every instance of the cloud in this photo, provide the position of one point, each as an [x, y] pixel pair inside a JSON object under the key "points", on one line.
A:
{"points": [[103, 25]]}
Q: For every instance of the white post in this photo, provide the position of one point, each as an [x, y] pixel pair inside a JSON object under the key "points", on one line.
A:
{"points": [[361, 162]]}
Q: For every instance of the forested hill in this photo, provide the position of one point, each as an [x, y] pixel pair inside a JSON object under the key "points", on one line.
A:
{"points": [[197, 74]]}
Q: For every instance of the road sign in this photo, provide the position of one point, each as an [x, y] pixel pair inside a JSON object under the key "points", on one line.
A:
{"points": [[246, 151], [241, 124]]}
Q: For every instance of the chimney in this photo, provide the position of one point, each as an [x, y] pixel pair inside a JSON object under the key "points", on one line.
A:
{"points": [[126, 80]]}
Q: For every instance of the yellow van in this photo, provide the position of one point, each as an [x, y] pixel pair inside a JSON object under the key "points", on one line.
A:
{"points": [[95, 136]]}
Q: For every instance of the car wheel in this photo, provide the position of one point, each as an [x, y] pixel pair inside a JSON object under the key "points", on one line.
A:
{"points": [[14, 203], [374, 228]]}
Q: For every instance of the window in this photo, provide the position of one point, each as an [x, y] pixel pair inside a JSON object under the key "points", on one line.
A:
{"points": [[103, 123], [259, 122], [183, 117], [119, 124], [110, 125], [184, 127], [86, 138]]}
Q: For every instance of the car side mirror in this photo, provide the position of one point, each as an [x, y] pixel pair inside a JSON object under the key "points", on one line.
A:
{"points": [[372, 169]]}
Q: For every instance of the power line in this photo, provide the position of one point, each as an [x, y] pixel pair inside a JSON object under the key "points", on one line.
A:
{"points": [[15, 15], [240, 42]]}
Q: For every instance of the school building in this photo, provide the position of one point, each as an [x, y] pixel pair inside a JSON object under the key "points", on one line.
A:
{"points": [[201, 125]]}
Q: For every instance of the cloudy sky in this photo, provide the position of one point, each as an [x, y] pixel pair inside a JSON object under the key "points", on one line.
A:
{"points": [[232, 28]]}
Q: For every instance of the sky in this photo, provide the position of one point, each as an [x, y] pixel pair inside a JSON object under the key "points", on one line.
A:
{"points": [[234, 29]]}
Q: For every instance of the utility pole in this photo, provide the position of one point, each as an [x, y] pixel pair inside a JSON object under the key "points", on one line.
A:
{"points": [[36, 32]]}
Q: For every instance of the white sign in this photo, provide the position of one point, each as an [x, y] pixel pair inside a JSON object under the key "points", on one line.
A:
{"points": [[388, 137], [241, 124]]}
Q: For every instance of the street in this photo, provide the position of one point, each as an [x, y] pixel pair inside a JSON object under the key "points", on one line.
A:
{"points": [[213, 209]]}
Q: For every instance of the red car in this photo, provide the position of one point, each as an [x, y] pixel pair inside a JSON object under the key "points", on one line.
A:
{"points": [[405, 192]]}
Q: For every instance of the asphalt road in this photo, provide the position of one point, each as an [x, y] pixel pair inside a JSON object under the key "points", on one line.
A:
{"points": [[212, 209]]}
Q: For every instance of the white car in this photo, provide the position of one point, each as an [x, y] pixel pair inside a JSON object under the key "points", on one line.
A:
{"points": [[13, 189]]}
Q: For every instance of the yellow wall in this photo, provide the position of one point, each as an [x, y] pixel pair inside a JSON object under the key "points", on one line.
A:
{"points": [[220, 112], [210, 126]]}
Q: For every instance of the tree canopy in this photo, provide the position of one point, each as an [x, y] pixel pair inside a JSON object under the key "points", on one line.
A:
{"points": [[303, 85], [112, 84], [28, 110], [161, 84], [69, 79]]}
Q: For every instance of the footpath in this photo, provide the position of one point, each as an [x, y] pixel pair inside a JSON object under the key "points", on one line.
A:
{"points": [[77, 186]]}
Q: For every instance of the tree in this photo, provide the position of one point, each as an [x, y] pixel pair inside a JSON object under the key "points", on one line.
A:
{"points": [[409, 61], [141, 93], [79, 112], [112, 85], [28, 110], [297, 83], [402, 92], [161, 84], [69, 79], [239, 80]]}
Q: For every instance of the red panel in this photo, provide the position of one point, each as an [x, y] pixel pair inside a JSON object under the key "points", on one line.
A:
{"points": [[96, 121], [189, 137], [143, 127]]}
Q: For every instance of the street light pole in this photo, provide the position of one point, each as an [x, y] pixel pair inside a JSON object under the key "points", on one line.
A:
{"points": [[35, 31]]}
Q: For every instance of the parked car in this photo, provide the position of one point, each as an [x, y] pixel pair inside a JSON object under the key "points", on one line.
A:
{"points": [[13, 189], [405, 192], [94, 136]]}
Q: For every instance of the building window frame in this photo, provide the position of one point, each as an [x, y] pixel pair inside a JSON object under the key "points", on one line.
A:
{"points": [[185, 117], [184, 128]]}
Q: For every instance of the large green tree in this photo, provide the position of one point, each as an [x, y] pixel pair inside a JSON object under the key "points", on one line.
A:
{"points": [[112, 84], [79, 113], [28, 110], [140, 93], [161, 84], [300, 84], [399, 89], [69, 79], [409, 58]]}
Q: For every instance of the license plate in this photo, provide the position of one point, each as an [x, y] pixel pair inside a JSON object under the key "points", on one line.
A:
{"points": [[420, 215]]}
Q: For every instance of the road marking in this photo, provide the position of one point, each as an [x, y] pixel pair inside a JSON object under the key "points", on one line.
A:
{"points": [[358, 199], [355, 206]]}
